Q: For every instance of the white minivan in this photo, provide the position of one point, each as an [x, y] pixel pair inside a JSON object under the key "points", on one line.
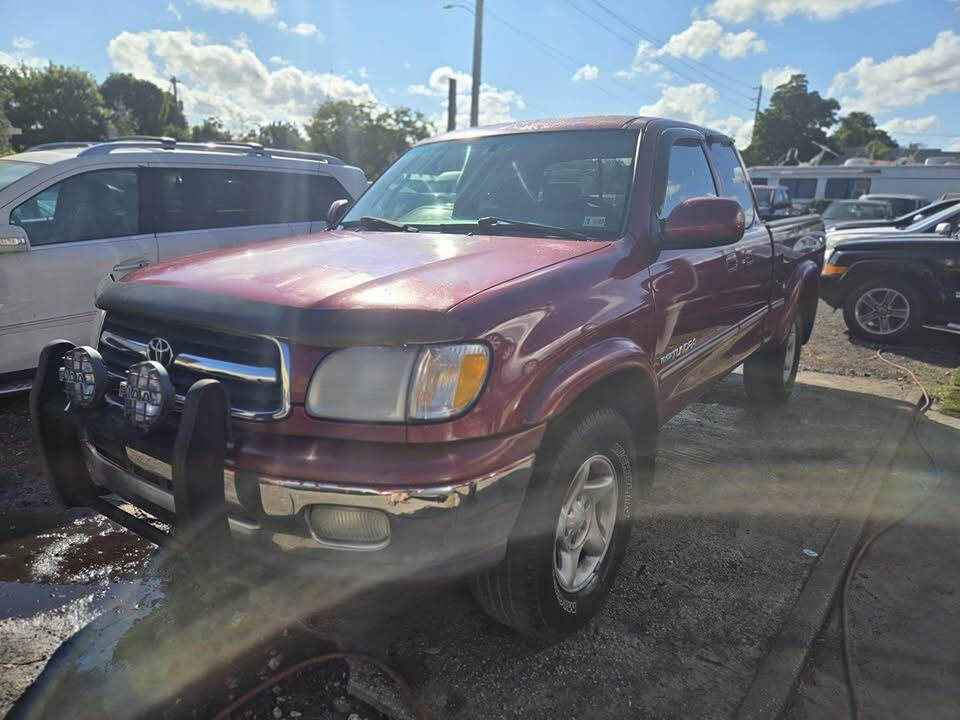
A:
{"points": [[73, 214]]}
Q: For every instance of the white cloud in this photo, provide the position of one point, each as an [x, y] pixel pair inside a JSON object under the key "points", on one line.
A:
{"points": [[303, 29], [696, 103], [226, 81], [775, 77], [955, 145], [260, 9], [704, 37], [241, 41], [586, 73], [17, 58], [277, 60], [911, 125], [175, 11], [902, 80], [362, 72], [744, 10], [496, 106], [22, 43]]}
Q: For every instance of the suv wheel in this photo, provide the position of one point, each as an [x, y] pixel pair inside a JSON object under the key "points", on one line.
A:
{"points": [[882, 310], [771, 372], [572, 531]]}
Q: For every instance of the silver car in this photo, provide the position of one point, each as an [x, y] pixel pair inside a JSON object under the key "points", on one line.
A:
{"points": [[75, 214]]}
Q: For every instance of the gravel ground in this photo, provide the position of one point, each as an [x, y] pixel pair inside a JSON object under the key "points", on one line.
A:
{"points": [[832, 349]]}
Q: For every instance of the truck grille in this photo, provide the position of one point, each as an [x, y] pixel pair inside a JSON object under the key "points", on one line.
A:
{"points": [[254, 370]]}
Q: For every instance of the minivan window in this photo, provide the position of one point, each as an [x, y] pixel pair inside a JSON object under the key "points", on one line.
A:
{"points": [[197, 199], [13, 170], [688, 176], [804, 188], [846, 188], [93, 205], [733, 178]]}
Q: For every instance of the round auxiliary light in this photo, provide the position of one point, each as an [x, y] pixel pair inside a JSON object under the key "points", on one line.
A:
{"points": [[149, 394], [84, 375]]}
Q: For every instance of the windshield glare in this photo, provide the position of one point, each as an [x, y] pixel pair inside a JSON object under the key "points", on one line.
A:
{"points": [[576, 180], [11, 171], [856, 211]]}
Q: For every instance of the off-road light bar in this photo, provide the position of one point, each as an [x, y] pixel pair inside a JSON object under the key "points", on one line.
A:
{"points": [[148, 394], [84, 375]]}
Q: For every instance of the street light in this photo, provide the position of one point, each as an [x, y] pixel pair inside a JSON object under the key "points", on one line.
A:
{"points": [[477, 12]]}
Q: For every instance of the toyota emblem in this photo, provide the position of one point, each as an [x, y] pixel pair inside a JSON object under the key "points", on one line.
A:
{"points": [[160, 351]]}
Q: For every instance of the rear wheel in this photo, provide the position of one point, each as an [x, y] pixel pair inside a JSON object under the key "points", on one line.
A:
{"points": [[883, 310], [572, 530], [771, 372]]}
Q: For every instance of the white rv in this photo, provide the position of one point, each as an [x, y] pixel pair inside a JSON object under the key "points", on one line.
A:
{"points": [[857, 177]]}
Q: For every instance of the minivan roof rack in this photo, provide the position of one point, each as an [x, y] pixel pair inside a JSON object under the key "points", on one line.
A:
{"points": [[168, 143]]}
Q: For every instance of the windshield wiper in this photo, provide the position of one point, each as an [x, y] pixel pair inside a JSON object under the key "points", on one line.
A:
{"points": [[370, 222], [492, 223]]}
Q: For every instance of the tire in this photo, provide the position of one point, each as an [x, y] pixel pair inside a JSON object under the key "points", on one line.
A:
{"points": [[904, 310], [771, 372], [524, 591]]}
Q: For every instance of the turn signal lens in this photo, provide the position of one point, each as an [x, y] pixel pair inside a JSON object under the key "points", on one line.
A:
{"points": [[829, 269], [448, 379]]}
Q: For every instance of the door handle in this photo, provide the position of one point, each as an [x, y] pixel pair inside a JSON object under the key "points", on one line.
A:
{"points": [[127, 267], [732, 262]]}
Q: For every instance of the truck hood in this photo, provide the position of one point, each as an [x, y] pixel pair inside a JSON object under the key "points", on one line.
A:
{"points": [[357, 270], [917, 242]]}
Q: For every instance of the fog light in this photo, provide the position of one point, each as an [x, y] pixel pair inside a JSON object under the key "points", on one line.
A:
{"points": [[351, 528], [149, 394], [84, 375]]}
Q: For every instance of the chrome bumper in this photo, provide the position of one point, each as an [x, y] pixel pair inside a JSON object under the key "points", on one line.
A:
{"points": [[428, 525]]}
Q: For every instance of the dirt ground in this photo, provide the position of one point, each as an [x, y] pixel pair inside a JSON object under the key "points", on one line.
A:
{"points": [[832, 349]]}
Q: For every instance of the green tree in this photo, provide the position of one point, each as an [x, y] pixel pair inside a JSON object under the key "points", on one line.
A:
{"points": [[210, 130], [283, 135], [153, 110], [363, 135], [859, 130], [52, 104], [796, 118], [6, 128]]}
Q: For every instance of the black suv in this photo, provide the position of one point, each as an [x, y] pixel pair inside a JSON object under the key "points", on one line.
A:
{"points": [[890, 285]]}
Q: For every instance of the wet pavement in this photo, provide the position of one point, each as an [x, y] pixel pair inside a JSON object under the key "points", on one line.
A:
{"points": [[715, 563]]}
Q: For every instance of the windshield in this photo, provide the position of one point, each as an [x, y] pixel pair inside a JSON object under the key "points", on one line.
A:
{"points": [[577, 180], [856, 211], [930, 221], [13, 170]]}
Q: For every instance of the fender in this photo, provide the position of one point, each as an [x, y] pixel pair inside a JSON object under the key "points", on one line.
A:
{"points": [[784, 310], [861, 269], [588, 367]]}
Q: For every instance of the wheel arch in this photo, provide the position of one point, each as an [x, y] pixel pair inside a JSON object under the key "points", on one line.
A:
{"points": [[921, 277], [800, 294]]}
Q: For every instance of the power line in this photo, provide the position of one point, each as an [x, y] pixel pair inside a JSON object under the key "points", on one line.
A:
{"points": [[557, 53], [692, 63], [735, 103]]}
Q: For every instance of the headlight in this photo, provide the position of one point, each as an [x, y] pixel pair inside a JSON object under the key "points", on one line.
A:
{"points": [[396, 384]]}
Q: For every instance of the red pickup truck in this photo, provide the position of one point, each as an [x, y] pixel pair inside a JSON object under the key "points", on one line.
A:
{"points": [[465, 374]]}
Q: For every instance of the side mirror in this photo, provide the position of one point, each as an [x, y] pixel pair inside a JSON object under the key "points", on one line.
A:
{"points": [[13, 239], [943, 229], [704, 222], [337, 209]]}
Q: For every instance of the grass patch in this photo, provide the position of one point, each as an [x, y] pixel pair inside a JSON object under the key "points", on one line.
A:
{"points": [[948, 393]]}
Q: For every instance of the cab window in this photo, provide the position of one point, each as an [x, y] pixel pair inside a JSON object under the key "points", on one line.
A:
{"points": [[734, 183], [90, 206], [688, 176]]}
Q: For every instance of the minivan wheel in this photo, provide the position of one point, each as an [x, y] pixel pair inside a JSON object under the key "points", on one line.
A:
{"points": [[572, 530], [883, 310], [771, 372]]}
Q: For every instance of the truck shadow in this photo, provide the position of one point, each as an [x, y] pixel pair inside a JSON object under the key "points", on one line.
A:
{"points": [[715, 564]]}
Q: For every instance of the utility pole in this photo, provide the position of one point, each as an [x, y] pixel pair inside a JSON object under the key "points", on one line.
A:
{"points": [[452, 105], [173, 81], [756, 112], [477, 51]]}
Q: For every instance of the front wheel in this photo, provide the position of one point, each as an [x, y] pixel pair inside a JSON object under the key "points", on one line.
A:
{"points": [[771, 372], [572, 530], [883, 310]]}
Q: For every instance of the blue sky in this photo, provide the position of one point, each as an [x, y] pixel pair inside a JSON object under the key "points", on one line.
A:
{"points": [[252, 61]]}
